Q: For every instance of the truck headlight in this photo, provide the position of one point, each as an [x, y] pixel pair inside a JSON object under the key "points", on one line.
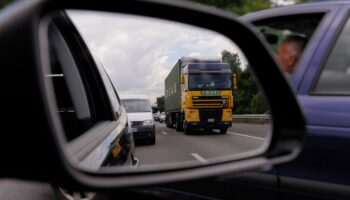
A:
{"points": [[148, 122], [225, 104], [227, 116], [193, 116]]}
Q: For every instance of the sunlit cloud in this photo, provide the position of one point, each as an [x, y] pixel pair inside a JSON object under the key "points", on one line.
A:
{"points": [[138, 52], [194, 54]]}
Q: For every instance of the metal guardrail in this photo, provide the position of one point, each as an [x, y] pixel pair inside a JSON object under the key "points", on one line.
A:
{"points": [[251, 116]]}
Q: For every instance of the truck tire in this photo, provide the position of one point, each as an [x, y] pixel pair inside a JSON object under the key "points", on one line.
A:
{"points": [[187, 131], [178, 124], [167, 120], [167, 123], [223, 130]]}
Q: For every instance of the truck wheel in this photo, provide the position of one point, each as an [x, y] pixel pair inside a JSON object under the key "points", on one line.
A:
{"points": [[187, 131], [223, 130], [167, 124], [209, 130], [178, 125]]}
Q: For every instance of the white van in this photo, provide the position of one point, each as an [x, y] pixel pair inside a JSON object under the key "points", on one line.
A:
{"points": [[139, 110]]}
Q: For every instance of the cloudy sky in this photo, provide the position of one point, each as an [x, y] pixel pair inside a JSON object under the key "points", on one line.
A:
{"points": [[139, 52]]}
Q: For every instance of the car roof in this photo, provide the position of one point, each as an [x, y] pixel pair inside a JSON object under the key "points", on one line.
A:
{"points": [[311, 5], [134, 97]]}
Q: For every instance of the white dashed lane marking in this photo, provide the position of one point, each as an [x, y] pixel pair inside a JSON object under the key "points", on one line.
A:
{"points": [[244, 135], [164, 132], [199, 158]]}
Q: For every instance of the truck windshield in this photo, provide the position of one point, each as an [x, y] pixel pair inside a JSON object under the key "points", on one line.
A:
{"points": [[136, 105], [210, 81]]}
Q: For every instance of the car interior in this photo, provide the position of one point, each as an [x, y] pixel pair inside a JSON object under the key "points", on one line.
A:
{"points": [[275, 30]]}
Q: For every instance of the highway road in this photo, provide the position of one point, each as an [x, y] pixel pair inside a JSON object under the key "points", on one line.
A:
{"points": [[171, 146], [18, 190], [174, 147]]}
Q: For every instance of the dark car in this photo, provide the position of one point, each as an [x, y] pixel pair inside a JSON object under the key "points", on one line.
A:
{"points": [[78, 113]]}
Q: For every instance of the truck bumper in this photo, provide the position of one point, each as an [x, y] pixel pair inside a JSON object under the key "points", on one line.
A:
{"points": [[207, 125]]}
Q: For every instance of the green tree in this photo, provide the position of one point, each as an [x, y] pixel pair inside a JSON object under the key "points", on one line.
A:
{"points": [[247, 89], [3, 3], [258, 103], [233, 60], [160, 103], [239, 7], [248, 98]]}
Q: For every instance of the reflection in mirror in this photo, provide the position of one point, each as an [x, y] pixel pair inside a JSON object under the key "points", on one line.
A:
{"points": [[181, 95]]}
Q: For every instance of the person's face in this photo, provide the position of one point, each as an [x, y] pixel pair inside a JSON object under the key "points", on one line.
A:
{"points": [[286, 57]]}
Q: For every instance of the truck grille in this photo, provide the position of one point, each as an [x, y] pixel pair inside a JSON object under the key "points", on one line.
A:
{"points": [[208, 115], [208, 101]]}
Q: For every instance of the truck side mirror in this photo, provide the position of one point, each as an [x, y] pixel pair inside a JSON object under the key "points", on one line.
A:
{"points": [[182, 79], [234, 81]]}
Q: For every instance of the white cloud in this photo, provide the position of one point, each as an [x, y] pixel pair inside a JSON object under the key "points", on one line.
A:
{"points": [[139, 52], [194, 54]]}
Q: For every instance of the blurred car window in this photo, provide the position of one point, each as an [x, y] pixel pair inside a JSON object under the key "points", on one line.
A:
{"points": [[335, 76], [277, 29]]}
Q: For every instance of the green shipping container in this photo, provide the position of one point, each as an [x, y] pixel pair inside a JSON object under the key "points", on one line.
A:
{"points": [[173, 89]]}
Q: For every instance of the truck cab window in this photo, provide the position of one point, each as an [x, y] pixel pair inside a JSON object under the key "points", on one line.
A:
{"points": [[210, 81]]}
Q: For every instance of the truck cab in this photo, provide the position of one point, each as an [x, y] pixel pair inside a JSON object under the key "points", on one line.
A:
{"points": [[203, 98]]}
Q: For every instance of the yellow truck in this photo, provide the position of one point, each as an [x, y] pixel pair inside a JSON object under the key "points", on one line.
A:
{"points": [[198, 95]]}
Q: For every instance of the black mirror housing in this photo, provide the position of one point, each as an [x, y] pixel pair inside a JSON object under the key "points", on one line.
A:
{"points": [[33, 129]]}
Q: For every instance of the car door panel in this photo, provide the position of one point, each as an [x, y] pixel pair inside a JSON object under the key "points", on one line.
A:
{"points": [[320, 161], [329, 16], [245, 186], [324, 159]]}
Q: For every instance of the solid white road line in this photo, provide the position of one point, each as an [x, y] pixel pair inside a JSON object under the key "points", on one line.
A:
{"points": [[164, 132], [199, 158], [244, 135]]}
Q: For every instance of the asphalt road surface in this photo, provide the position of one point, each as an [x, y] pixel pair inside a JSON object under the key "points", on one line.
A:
{"points": [[200, 146], [18, 190], [171, 146]]}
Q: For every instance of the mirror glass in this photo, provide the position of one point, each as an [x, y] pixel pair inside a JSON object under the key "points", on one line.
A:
{"points": [[177, 95]]}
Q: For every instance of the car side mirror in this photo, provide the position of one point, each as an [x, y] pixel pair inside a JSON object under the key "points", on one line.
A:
{"points": [[82, 153]]}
